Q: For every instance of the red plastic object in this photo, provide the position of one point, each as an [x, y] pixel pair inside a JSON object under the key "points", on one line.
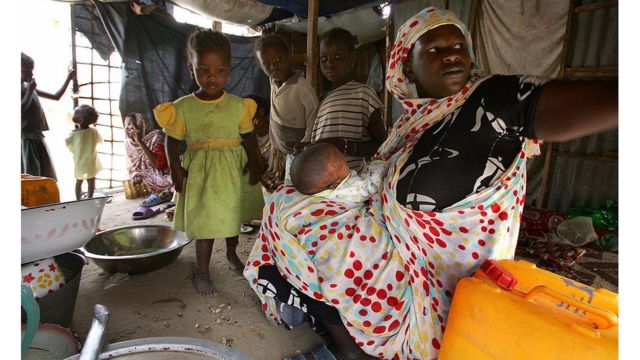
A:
{"points": [[501, 276]]}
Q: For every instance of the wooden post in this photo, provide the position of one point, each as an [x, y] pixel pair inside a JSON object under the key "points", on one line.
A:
{"points": [[312, 43], [74, 87], [388, 98], [543, 199]]}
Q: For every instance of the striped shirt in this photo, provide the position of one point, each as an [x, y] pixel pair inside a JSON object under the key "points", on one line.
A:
{"points": [[344, 113]]}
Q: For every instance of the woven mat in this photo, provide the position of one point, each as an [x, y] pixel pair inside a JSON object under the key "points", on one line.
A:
{"points": [[596, 268]]}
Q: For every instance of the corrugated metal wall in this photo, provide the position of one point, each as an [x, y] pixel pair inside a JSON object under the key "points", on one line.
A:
{"points": [[583, 172]]}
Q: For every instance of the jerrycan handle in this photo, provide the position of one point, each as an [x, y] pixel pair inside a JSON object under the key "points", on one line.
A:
{"points": [[32, 309], [603, 319]]}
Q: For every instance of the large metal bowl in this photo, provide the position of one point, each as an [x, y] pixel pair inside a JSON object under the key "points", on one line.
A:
{"points": [[168, 348], [135, 249]]}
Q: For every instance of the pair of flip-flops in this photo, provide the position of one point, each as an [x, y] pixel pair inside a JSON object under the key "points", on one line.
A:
{"points": [[154, 199], [148, 212]]}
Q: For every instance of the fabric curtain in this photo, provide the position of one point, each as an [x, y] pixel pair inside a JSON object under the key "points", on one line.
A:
{"points": [[521, 37]]}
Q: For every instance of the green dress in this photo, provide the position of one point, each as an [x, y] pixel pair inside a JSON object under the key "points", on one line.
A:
{"points": [[216, 197]]}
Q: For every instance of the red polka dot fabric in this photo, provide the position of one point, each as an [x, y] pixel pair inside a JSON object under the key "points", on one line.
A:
{"points": [[391, 271]]}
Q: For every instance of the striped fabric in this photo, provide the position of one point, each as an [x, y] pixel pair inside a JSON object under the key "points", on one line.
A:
{"points": [[344, 113]]}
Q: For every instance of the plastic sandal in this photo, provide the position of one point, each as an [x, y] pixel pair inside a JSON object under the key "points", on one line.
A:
{"points": [[145, 213], [154, 199]]}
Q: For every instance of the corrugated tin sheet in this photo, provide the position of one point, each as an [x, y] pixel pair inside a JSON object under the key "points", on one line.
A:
{"points": [[578, 181], [594, 37]]}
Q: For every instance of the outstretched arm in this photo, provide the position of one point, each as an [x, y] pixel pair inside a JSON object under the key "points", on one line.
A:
{"points": [[58, 94], [571, 109]]}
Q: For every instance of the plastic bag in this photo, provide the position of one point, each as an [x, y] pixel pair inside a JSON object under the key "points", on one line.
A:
{"points": [[603, 218], [115, 279], [575, 232]]}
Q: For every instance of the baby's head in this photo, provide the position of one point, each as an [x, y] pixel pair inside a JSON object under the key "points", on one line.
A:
{"points": [[209, 54], [85, 115], [319, 167], [273, 55]]}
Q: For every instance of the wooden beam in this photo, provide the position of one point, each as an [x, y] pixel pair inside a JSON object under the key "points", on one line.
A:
{"points": [[74, 64], [543, 199], [312, 43], [473, 17], [608, 157], [594, 71], [388, 98], [596, 6], [567, 38]]}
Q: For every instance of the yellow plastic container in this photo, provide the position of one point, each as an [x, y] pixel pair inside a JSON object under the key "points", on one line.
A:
{"points": [[510, 309], [38, 190]]}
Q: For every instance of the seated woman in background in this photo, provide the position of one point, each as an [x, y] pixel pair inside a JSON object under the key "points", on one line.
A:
{"points": [[146, 158]]}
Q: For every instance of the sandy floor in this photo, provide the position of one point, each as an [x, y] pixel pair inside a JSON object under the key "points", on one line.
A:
{"points": [[164, 302]]}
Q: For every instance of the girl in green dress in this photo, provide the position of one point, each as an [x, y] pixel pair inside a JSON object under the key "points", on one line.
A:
{"points": [[217, 180]]}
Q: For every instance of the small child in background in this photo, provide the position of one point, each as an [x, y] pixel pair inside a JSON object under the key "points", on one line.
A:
{"points": [[82, 142], [273, 176], [350, 114], [294, 103], [322, 170], [217, 180]]}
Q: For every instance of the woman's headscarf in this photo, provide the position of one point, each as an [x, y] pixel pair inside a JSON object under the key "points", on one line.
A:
{"points": [[420, 113]]}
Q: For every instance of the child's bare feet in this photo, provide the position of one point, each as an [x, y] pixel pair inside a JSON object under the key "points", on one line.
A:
{"points": [[236, 265], [203, 284]]}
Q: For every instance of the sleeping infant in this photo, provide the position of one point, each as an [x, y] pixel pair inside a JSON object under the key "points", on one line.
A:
{"points": [[322, 170]]}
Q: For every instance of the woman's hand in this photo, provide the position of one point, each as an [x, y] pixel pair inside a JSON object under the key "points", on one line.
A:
{"points": [[178, 176], [136, 136]]}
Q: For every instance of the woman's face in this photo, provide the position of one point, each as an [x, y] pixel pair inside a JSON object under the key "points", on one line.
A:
{"points": [[439, 63], [131, 127]]}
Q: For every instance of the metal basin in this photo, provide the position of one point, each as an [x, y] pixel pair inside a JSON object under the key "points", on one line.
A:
{"points": [[168, 348], [55, 229], [135, 249]]}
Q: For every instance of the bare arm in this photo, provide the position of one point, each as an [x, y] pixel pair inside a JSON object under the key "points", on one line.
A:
{"points": [[153, 158], [571, 109], [58, 94], [378, 134], [311, 106], [173, 157], [255, 162]]}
